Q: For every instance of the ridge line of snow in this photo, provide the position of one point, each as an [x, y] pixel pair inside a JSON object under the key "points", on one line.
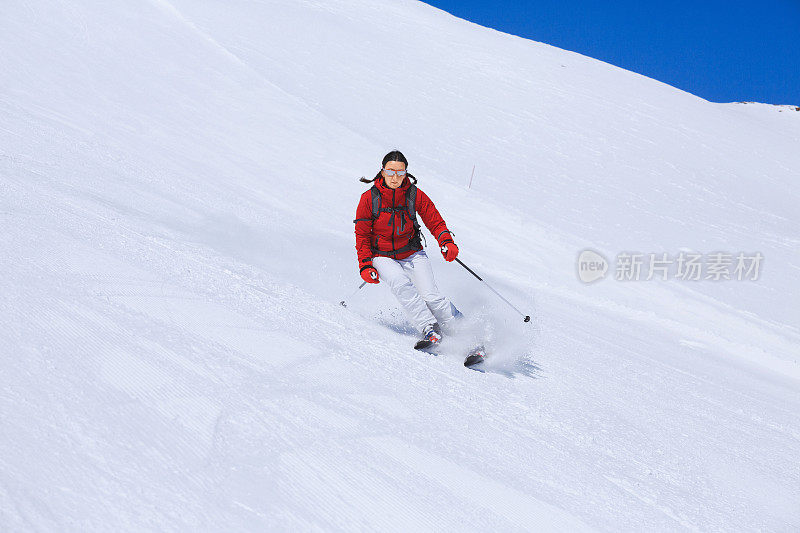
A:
{"points": [[168, 8]]}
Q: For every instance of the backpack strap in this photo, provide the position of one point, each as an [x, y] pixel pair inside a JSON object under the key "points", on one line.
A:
{"points": [[411, 197], [411, 202], [376, 205], [376, 202]]}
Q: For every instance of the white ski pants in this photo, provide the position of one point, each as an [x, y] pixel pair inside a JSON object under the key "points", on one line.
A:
{"points": [[411, 281]]}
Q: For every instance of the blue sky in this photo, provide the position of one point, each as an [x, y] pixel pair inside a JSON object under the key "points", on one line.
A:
{"points": [[723, 51]]}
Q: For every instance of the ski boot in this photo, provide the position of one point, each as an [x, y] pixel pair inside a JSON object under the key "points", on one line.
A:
{"points": [[431, 336]]}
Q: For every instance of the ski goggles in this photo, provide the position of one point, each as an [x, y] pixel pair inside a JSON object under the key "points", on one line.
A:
{"points": [[394, 172]]}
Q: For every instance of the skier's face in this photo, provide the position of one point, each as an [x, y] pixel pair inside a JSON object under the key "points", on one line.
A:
{"points": [[393, 179]]}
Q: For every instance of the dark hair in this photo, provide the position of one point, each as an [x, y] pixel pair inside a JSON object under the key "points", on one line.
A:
{"points": [[394, 155]]}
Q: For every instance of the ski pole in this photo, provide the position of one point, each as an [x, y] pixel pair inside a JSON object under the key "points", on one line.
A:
{"points": [[353, 294], [526, 317]]}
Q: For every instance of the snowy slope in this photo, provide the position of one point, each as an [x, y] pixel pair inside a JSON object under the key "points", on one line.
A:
{"points": [[178, 184]]}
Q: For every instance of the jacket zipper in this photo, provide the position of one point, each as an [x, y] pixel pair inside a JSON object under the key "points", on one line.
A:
{"points": [[393, 218]]}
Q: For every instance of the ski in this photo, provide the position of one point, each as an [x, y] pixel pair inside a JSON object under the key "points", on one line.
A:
{"points": [[475, 358], [426, 346]]}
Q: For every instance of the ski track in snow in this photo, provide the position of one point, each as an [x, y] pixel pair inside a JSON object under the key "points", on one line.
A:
{"points": [[177, 182]]}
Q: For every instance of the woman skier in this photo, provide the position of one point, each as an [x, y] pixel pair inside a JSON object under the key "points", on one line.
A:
{"points": [[388, 243]]}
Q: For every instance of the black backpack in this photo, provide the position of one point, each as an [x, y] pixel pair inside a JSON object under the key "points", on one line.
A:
{"points": [[415, 243]]}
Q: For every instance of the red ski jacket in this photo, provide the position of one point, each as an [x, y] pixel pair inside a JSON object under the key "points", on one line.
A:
{"points": [[393, 233]]}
